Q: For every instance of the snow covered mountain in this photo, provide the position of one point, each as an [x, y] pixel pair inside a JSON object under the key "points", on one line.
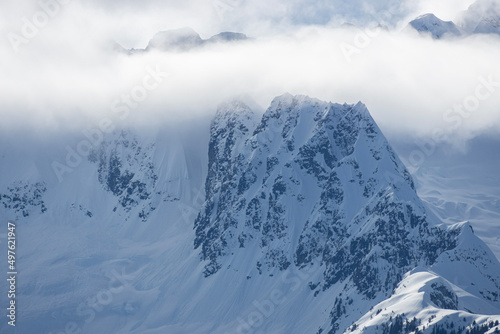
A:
{"points": [[482, 17], [429, 23], [356, 218], [300, 220]]}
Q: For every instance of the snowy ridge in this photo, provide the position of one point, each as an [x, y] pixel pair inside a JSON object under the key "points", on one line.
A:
{"points": [[443, 294], [300, 220]]}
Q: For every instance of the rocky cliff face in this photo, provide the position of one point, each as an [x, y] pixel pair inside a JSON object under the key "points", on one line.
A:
{"points": [[306, 222], [315, 184]]}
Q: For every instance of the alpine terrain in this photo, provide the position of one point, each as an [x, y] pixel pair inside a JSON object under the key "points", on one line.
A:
{"points": [[298, 220]]}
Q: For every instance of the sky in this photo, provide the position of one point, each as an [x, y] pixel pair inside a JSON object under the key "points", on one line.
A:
{"points": [[133, 22], [58, 67]]}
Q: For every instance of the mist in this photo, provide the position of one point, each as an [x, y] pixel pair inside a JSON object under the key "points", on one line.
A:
{"points": [[67, 73]]}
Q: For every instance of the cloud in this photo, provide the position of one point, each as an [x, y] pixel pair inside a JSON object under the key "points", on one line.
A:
{"points": [[448, 10], [411, 84]]}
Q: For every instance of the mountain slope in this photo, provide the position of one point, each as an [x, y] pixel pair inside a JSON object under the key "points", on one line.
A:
{"points": [[301, 220], [319, 181], [443, 294]]}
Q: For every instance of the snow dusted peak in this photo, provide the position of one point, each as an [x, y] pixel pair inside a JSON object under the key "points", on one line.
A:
{"points": [[482, 17], [227, 37], [361, 109], [290, 101], [282, 102], [287, 109], [235, 114], [429, 23], [473, 254], [233, 106], [179, 39]]}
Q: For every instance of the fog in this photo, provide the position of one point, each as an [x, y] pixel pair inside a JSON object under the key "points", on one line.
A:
{"points": [[66, 71]]}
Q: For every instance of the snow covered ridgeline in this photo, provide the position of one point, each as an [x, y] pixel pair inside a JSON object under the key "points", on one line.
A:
{"points": [[308, 220], [315, 184]]}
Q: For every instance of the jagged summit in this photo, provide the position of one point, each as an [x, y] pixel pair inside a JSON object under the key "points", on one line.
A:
{"points": [[429, 23]]}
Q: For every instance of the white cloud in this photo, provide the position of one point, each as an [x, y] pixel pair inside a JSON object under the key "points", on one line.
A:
{"points": [[408, 82], [447, 10]]}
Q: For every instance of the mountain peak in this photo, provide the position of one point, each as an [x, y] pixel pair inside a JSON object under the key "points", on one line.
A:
{"points": [[311, 223], [234, 112], [227, 37], [429, 23], [178, 39]]}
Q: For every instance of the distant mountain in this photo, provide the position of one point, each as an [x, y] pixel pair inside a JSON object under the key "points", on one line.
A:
{"points": [[175, 40], [482, 17], [227, 37], [183, 39], [429, 23]]}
